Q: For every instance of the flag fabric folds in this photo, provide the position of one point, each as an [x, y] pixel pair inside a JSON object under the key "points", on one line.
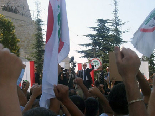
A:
{"points": [[144, 38], [56, 48]]}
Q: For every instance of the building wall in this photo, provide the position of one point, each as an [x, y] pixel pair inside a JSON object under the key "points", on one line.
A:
{"points": [[24, 26]]}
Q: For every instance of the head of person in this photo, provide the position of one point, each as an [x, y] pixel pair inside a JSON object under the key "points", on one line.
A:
{"points": [[62, 69], [35, 70], [117, 99], [79, 102], [72, 92], [39, 111], [25, 85], [84, 66], [92, 107], [107, 69], [97, 83]]}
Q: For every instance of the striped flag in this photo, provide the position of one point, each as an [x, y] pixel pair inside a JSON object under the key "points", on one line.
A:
{"points": [[144, 38], [27, 74], [56, 49]]}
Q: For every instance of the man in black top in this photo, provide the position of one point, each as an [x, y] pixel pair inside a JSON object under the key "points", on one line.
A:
{"points": [[85, 75]]}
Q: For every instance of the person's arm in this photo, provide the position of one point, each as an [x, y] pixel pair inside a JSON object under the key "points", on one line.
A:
{"points": [[61, 93], [104, 102], [36, 91], [55, 105], [21, 96], [151, 105], [92, 66], [79, 81], [128, 65], [25, 87], [144, 85], [64, 110], [10, 68]]}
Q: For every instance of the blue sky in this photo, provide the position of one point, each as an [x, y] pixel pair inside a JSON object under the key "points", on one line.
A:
{"points": [[83, 14]]}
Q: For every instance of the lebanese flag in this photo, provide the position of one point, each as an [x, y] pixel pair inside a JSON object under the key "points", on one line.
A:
{"points": [[27, 74], [144, 38], [56, 49]]}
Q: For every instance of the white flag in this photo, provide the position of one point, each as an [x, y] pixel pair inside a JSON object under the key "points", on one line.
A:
{"points": [[144, 38], [56, 49]]}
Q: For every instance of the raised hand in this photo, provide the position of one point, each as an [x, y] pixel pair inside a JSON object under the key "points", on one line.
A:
{"points": [[36, 90], [78, 81], [61, 92], [10, 69], [10, 66], [128, 62], [94, 91]]}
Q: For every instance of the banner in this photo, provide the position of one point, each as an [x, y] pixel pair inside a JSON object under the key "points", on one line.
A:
{"points": [[97, 62], [56, 48], [144, 38]]}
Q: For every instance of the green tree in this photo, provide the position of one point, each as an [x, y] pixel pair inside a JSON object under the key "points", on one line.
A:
{"points": [[107, 35], [116, 32], [101, 42], [39, 47], [38, 54], [151, 62], [7, 35]]}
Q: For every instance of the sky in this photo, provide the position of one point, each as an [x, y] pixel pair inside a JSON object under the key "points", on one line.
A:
{"points": [[83, 14]]}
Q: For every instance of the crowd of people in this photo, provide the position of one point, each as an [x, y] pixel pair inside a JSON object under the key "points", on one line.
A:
{"points": [[132, 97]]}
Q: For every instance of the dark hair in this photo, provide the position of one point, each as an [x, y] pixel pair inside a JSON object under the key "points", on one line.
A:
{"points": [[92, 106], [117, 99], [39, 111], [97, 83], [72, 92], [79, 102]]}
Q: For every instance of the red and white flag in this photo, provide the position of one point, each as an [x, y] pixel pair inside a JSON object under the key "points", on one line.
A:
{"points": [[56, 49], [27, 74], [144, 38]]}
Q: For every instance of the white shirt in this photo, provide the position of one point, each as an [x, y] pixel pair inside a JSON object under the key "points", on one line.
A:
{"points": [[83, 74]]}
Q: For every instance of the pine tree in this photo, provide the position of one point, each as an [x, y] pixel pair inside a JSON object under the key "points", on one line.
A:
{"points": [[39, 43], [116, 27], [39, 47], [151, 62], [7, 35], [107, 35], [99, 43]]}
